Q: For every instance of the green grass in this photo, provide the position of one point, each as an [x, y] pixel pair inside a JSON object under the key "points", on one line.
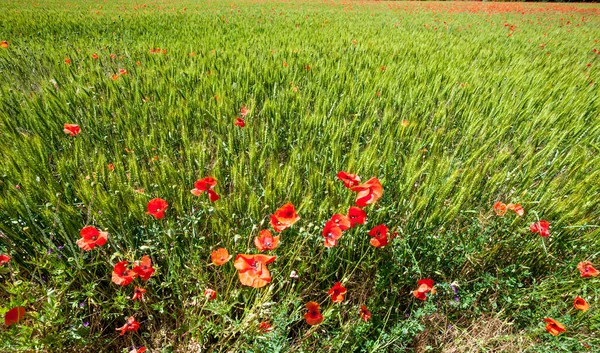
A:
{"points": [[491, 117]]}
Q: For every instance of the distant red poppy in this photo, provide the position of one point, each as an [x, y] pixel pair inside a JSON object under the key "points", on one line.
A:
{"points": [[586, 269], [121, 275], [313, 316], [332, 234], [365, 314], [284, 217], [115, 77], [266, 241], [206, 185], [94, 56], [71, 129], [91, 237], [244, 111], [337, 293], [122, 72], [541, 227], [14, 315], [113, 56], [349, 180], [131, 325], [141, 349], [516, 208], [424, 286], [379, 234], [157, 207], [220, 256], [138, 293], [210, 294], [4, 44], [265, 327], [356, 216], [239, 122], [144, 268], [580, 304], [253, 269], [67, 61], [368, 193], [554, 327], [111, 167], [500, 208], [341, 221], [4, 259]]}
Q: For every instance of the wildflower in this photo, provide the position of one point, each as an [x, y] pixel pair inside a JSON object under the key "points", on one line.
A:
{"points": [[4, 259], [350, 180], [368, 193], [516, 208], [265, 327], [554, 327], [94, 56], [266, 241], [71, 129], [4, 44], [244, 111], [341, 221], [141, 349], [404, 123], [138, 293], [337, 293], [14, 315], [332, 234], [500, 208], [540, 227], [379, 234], [206, 184], [157, 207], [131, 325], [144, 268], [580, 304], [294, 274], [424, 286], [356, 216], [220, 256], [313, 316], [253, 269], [67, 61], [121, 275], [239, 122], [210, 294], [284, 217], [586, 269], [122, 72], [365, 314], [91, 237]]}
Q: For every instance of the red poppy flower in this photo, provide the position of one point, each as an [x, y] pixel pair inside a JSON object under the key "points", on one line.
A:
{"points": [[210, 294], [4, 44], [337, 293], [239, 122], [67, 61], [313, 316], [14, 315], [379, 234], [131, 325], [266, 241], [91, 237], [113, 56], [94, 56], [368, 193], [4, 259], [206, 185], [580, 304], [341, 221], [122, 72], [142, 349], [349, 180], [144, 268], [253, 269], [516, 208], [220, 256], [244, 111], [554, 327], [121, 275], [138, 293], [586, 269], [265, 327], [424, 286], [115, 77], [500, 208], [332, 234], [356, 216], [365, 314], [284, 217], [157, 207], [71, 129], [540, 227]]}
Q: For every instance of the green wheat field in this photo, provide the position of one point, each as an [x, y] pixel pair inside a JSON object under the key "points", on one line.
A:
{"points": [[460, 110]]}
